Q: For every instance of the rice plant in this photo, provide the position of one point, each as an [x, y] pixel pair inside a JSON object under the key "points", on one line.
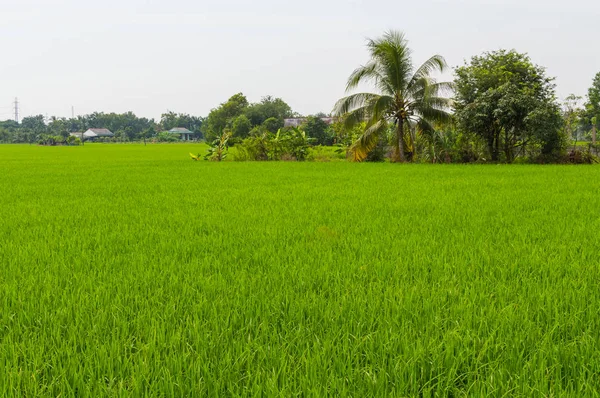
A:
{"points": [[128, 270]]}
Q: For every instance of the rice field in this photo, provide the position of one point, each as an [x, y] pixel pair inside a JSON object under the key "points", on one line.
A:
{"points": [[133, 271]]}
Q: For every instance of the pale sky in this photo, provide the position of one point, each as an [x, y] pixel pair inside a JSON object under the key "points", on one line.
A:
{"points": [[150, 56]]}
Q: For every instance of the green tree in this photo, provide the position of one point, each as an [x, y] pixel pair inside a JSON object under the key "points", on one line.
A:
{"points": [[170, 120], [241, 127], [273, 124], [34, 123], [509, 102], [572, 114], [223, 116], [318, 129], [592, 108], [409, 98], [269, 107], [58, 126]]}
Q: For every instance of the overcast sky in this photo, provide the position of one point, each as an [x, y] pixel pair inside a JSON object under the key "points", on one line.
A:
{"points": [[150, 56]]}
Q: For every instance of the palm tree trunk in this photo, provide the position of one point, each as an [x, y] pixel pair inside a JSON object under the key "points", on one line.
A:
{"points": [[413, 148], [399, 155]]}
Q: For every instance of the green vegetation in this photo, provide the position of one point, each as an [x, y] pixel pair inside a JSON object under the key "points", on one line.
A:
{"points": [[129, 270], [501, 108], [411, 99], [244, 119], [509, 103]]}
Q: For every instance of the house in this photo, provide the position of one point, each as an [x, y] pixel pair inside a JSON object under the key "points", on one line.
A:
{"points": [[298, 121], [77, 134], [94, 134], [183, 133]]}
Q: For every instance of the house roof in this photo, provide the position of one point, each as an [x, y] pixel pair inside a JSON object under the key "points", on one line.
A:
{"points": [[297, 121], [98, 133], [180, 130]]}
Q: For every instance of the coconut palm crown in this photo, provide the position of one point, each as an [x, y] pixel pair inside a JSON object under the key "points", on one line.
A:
{"points": [[409, 98]]}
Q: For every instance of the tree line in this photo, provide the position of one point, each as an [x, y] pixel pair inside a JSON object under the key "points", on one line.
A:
{"points": [[237, 116], [501, 107], [126, 126]]}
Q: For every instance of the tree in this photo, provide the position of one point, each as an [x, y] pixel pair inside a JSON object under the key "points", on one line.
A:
{"points": [[273, 124], [592, 108], [572, 116], [148, 133], [34, 123], [509, 102], [410, 98], [269, 107], [241, 127], [223, 116], [170, 120], [318, 129], [58, 126]]}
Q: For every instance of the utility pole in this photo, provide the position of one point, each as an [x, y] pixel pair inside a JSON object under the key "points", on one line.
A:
{"points": [[16, 109], [72, 112]]}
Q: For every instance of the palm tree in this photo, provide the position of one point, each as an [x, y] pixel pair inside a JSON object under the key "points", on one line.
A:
{"points": [[410, 99]]}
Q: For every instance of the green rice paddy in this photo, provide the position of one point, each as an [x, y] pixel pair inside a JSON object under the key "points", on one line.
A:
{"points": [[130, 270]]}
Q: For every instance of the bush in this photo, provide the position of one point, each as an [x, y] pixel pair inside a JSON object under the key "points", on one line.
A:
{"points": [[285, 145], [166, 136]]}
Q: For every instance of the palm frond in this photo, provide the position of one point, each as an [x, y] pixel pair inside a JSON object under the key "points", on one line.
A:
{"points": [[354, 101], [428, 87], [382, 107], [434, 115], [367, 141], [393, 56], [363, 74], [437, 63]]}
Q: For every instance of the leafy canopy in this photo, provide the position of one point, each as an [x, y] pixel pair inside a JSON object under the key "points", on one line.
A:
{"points": [[408, 97], [508, 101]]}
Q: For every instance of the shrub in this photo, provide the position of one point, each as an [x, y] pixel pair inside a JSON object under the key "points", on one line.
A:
{"points": [[218, 149], [285, 145], [166, 136]]}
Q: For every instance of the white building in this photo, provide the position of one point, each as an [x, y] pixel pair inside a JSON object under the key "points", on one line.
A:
{"points": [[183, 133], [93, 134]]}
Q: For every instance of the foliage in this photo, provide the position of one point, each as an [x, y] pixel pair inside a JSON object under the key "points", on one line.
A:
{"points": [[510, 103], [51, 140], [72, 140], [572, 116], [579, 156], [171, 120], [269, 108], [447, 144], [222, 117], [590, 115], [286, 144], [235, 114], [272, 124], [165, 136], [126, 127], [294, 142], [219, 148], [410, 98], [318, 129], [241, 127]]}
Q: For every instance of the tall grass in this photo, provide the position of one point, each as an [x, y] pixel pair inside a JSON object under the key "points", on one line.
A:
{"points": [[131, 270]]}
